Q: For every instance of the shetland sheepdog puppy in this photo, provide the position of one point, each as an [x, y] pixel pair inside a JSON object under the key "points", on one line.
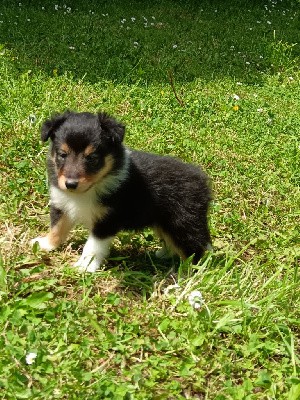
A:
{"points": [[98, 182]]}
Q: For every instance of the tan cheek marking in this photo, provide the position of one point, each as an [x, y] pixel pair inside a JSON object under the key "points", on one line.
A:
{"points": [[61, 181], [89, 150], [59, 232], [105, 170]]}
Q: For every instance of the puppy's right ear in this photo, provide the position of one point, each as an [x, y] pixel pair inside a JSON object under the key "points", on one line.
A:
{"points": [[51, 125]]}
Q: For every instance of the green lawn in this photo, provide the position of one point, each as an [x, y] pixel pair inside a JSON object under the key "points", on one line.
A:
{"points": [[216, 83]]}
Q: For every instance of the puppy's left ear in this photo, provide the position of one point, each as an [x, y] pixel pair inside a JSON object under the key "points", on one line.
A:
{"points": [[51, 125], [111, 128]]}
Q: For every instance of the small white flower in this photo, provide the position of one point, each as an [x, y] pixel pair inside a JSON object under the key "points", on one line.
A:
{"points": [[175, 46], [195, 299], [171, 287], [32, 118], [135, 44], [71, 47], [236, 97], [260, 110], [30, 358]]}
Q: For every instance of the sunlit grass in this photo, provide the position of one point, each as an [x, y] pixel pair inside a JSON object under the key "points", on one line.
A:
{"points": [[216, 85]]}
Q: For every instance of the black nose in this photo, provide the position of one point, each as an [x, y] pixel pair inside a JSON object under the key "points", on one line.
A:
{"points": [[71, 184]]}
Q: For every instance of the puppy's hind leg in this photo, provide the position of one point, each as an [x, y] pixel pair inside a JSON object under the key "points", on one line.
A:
{"points": [[60, 228], [168, 248], [197, 241]]}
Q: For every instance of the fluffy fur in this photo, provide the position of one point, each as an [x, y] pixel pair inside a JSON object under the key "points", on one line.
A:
{"points": [[95, 180]]}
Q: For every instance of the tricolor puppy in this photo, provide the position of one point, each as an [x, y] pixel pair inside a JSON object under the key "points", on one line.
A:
{"points": [[95, 180]]}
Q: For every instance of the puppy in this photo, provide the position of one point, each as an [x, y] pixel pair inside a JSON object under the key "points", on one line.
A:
{"points": [[95, 180]]}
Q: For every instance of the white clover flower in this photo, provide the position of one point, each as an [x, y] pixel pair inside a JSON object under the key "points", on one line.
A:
{"points": [[195, 299], [30, 358], [236, 97], [32, 118]]}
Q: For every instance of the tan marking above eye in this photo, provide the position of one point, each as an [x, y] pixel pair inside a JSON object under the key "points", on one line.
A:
{"points": [[65, 148], [89, 150]]}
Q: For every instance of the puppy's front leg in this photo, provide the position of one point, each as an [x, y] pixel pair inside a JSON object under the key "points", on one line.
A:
{"points": [[94, 252], [60, 226]]}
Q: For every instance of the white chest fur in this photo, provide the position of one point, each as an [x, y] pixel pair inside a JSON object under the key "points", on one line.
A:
{"points": [[81, 208]]}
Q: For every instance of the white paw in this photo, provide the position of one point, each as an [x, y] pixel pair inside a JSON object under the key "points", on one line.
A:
{"points": [[88, 264], [94, 252], [43, 243]]}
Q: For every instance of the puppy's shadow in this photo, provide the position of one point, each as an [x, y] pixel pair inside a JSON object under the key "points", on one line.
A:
{"points": [[132, 259]]}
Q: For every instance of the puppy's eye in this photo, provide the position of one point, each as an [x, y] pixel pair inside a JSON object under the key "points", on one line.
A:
{"points": [[93, 157], [62, 156]]}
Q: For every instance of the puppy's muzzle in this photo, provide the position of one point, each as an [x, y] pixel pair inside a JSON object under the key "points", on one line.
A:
{"points": [[71, 184]]}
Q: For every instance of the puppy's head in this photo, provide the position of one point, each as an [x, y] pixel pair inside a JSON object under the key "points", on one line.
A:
{"points": [[85, 148]]}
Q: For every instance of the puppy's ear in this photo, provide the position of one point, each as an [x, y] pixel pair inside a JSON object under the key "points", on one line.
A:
{"points": [[111, 128], [51, 125]]}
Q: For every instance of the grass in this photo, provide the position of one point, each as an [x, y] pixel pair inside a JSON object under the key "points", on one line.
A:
{"points": [[215, 84]]}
